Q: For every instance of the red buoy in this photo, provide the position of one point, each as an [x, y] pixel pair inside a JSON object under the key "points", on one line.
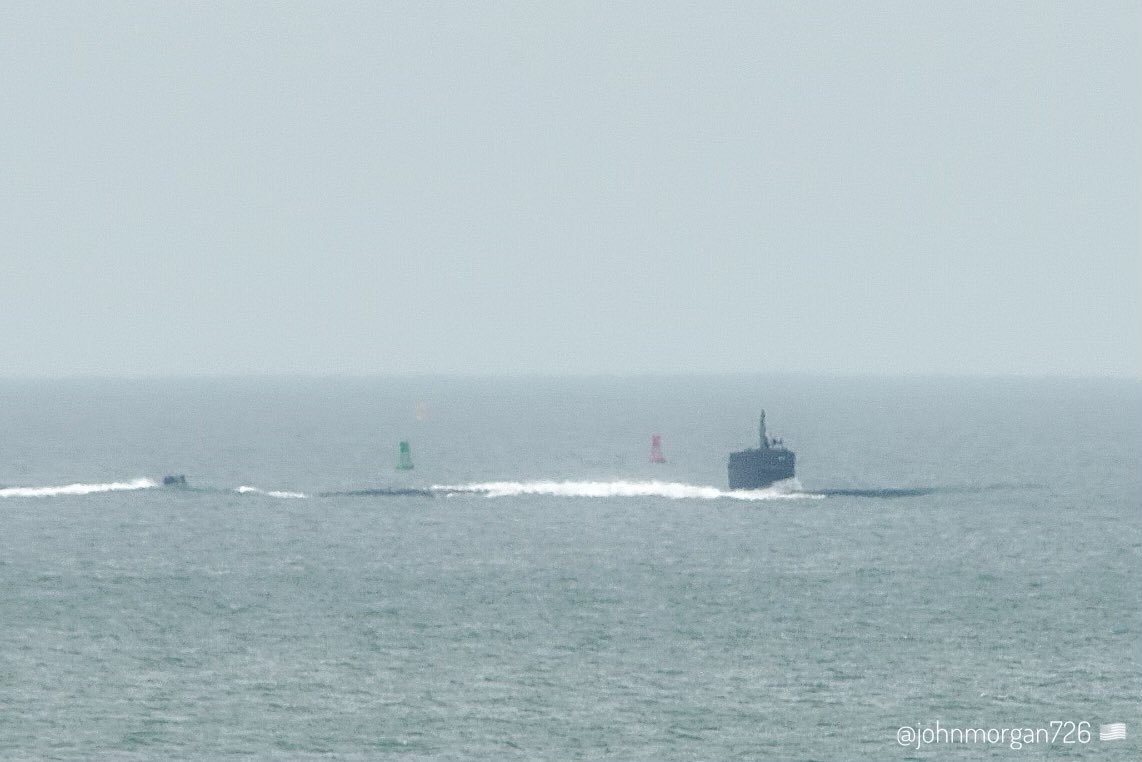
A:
{"points": [[656, 449]]}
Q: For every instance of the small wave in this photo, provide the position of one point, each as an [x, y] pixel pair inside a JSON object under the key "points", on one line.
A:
{"points": [[673, 490], [271, 493], [77, 489]]}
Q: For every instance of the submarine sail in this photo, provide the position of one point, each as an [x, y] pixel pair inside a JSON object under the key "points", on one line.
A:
{"points": [[756, 468]]}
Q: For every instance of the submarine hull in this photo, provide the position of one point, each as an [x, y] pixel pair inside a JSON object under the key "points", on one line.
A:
{"points": [[755, 469]]}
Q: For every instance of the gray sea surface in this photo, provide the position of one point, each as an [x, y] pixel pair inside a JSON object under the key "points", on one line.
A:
{"points": [[960, 551]]}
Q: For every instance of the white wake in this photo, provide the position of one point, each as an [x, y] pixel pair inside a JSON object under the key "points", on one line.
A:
{"points": [[270, 493], [787, 490], [77, 489]]}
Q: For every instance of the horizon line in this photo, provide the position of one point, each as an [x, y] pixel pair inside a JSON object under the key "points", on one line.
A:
{"points": [[549, 375]]}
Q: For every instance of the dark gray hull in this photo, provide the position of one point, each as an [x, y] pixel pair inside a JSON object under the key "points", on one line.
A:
{"points": [[755, 469]]}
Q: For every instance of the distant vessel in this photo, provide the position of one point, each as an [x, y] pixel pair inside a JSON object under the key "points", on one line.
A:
{"points": [[761, 467], [174, 480]]}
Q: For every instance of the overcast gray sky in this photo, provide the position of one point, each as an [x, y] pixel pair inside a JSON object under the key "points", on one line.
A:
{"points": [[882, 187]]}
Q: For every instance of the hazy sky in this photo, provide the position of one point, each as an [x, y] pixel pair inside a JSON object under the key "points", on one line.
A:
{"points": [[909, 187]]}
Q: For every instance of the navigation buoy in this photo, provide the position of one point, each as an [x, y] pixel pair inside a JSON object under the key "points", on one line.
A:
{"points": [[656, 449], [404, 456]]}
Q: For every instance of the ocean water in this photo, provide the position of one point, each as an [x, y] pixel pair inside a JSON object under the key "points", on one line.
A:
{"points": [[965, 552]]}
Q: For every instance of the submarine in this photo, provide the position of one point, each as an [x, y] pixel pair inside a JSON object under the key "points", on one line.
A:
{"points": [[174, 480], [762, 466]]}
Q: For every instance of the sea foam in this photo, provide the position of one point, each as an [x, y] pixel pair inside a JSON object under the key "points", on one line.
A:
{"points": [[77, 489], [270, 493], [788, 490]]}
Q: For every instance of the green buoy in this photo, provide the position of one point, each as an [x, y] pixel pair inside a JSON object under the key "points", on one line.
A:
{"points": [[404, 458]]}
